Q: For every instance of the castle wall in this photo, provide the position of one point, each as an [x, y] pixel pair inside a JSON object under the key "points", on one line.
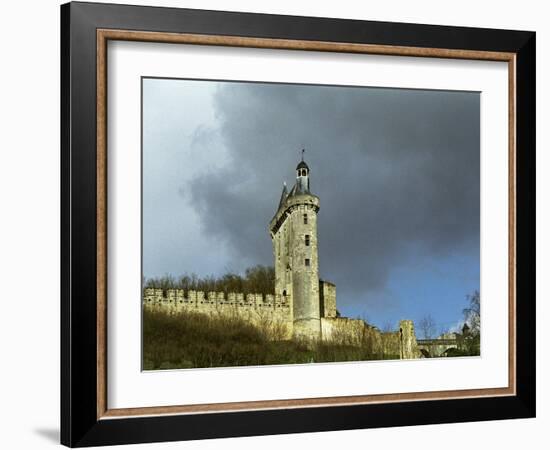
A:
{"points": [[400, 344], [409, 346], [391, 344], [327, 298], [356, 332], [342, 330], [272, 313]]}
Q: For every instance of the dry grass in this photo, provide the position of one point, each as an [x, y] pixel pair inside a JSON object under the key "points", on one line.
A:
{"points": [[192, 340]]}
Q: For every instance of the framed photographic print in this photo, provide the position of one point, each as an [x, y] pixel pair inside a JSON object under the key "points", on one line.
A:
{"points": [[276, 224]]}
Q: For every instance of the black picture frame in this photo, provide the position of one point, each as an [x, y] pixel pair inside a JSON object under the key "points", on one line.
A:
{"points": [[80, 425]]}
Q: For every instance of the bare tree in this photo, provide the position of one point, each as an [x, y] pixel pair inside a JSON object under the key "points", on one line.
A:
{"points": [[256, 280], [427, 327], [472, 313], [471, 337]]}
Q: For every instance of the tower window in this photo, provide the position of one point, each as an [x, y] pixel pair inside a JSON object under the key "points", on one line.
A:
{"points": [[307, 262], [305, 219], [307, 240]]}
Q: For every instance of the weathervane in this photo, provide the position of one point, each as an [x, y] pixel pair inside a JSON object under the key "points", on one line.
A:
{"points": [[303, 151]]}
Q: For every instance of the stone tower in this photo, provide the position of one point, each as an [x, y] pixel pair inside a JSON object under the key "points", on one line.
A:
{"points": [[293, 232]]}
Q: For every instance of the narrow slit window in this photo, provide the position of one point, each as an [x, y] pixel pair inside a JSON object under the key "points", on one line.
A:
{"points": [[307, 262], [307, 240], [305, 219]]}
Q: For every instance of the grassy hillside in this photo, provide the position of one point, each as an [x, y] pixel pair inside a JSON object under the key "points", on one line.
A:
{"points": [[188, 340]]}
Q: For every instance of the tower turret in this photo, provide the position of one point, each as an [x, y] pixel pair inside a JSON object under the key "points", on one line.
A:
{"points": [[293, 232], [302, 176]]}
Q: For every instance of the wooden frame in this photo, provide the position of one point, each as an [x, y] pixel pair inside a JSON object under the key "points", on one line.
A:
{"points": [[86, 418]]}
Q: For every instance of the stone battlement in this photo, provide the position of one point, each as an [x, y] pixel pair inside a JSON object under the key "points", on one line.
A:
{"points": [[272, 313], [204, 300]]}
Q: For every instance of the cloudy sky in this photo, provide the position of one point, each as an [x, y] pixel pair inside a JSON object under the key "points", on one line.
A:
{"points": [[396, 171]]}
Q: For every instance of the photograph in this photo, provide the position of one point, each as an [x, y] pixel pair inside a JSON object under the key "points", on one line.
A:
{"points": [[297, 223]]}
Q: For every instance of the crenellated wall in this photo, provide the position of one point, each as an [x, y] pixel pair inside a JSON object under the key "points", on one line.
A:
{"points": [[273, 313], [206, 300]]}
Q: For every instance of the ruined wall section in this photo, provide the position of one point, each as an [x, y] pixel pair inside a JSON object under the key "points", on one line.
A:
{"points": [[327, 297], [353, 332], [356, 332], [408, 343], [391, 344]]}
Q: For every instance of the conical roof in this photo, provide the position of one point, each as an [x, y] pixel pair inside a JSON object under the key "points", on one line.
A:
{"points": [[302, 165]]}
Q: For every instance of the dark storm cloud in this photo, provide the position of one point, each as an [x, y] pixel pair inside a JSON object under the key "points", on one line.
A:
{"points": [[397, 173]]}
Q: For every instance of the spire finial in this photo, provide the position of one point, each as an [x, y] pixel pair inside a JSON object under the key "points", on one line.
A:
{"points": [[303, 151]]}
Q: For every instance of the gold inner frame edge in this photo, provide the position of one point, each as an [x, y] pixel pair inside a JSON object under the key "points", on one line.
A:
{"points": [[104, 35]]}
